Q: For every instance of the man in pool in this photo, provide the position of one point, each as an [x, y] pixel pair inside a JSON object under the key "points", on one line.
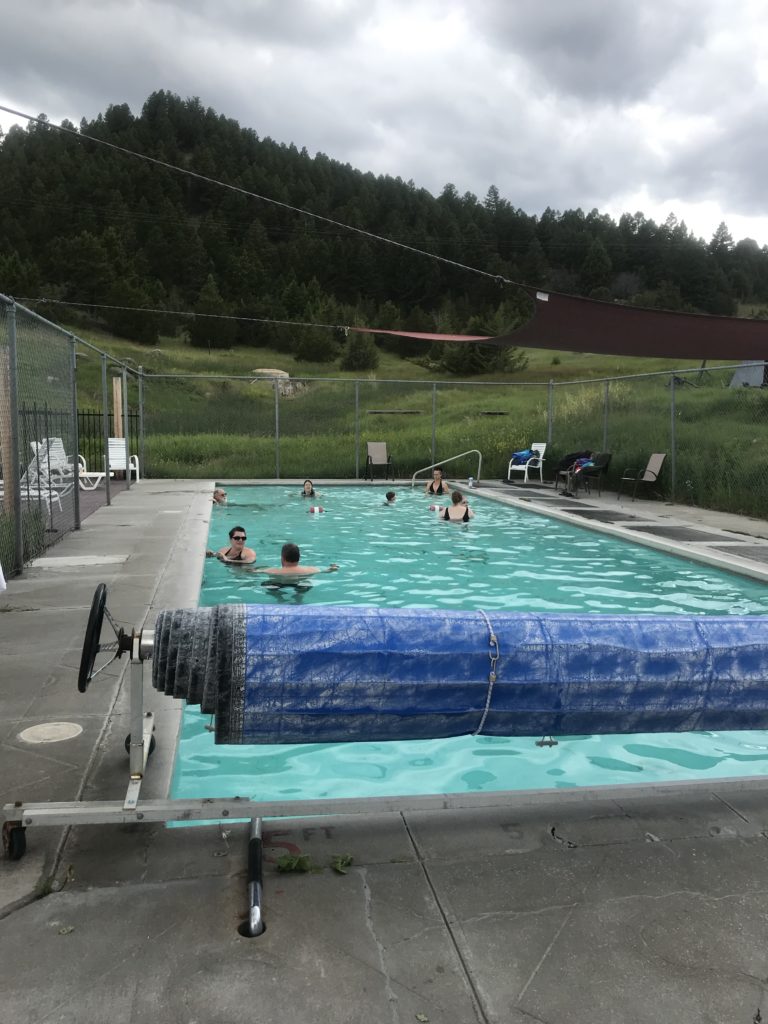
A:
{"points": [[219, 497], [290, 570], [390, 498], [237, 553]]}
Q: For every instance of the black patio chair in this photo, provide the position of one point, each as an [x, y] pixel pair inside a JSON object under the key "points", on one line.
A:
{"points": [[596, 471]]}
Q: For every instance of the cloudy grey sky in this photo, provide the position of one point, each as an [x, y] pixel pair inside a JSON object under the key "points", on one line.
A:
{"points": [[659, 106]]}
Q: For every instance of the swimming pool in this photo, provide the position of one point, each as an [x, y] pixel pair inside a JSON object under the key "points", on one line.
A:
{"points": [[402, 556]]}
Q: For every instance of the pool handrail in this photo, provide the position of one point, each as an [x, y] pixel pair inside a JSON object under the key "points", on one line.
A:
{"points": [[472, 451]]}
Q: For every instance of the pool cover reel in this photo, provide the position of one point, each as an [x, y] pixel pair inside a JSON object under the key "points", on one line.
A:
{"points": [[326, 674]]}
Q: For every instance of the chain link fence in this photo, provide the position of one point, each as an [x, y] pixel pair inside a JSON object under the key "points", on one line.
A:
{"points": [[58, 395], [714, 434], [712, 428], [45, 488]]}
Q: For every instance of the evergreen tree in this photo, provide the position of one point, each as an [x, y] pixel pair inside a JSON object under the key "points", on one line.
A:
{"points": [[206, 331], [131, 322], [81, 219], [360, 353], [597, 269]]}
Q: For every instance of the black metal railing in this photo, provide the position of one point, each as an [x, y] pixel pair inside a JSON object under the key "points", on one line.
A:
{"points": [[38, 422]]}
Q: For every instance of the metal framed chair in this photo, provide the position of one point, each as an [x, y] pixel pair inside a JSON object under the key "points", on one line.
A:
{"points": [[378, 455], [596, 471], [649, 475]]}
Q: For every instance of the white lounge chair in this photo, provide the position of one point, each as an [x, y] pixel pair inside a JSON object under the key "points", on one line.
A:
{"points": [[534, 464], [52, 459], [87, 479], [117, 458], [43, 483]]}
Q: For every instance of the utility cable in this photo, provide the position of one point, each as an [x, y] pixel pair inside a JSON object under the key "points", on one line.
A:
{"points": [[255, 195], [346, 328]]}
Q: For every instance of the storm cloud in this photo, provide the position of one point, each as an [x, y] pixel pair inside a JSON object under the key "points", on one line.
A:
{"points": [[606, 104]]}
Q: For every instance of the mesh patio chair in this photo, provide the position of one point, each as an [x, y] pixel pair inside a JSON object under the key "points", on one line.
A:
{"points": [[378, 456], [649, 475]]}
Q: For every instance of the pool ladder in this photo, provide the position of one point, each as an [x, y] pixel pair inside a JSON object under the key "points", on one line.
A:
{"points": [[444, 462]]}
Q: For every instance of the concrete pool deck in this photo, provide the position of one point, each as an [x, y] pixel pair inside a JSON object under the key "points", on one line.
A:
{"points": [[617, 908]]}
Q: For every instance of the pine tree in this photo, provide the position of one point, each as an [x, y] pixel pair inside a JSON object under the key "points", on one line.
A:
{"points": [[360, 353]]}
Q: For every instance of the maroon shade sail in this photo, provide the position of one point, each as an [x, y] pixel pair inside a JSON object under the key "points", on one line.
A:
{"points": [[421, 335], [575, 324]]}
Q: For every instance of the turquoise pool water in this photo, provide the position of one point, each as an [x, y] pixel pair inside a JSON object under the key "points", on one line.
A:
{"points": [[403, 556]]}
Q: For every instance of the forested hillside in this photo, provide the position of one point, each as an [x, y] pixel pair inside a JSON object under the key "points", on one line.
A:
{"points": [[87, 224]]}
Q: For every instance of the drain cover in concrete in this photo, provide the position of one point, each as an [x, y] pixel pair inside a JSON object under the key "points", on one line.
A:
{"points": [[676, 533], [757, 552], [601, 516], [51, 732]]}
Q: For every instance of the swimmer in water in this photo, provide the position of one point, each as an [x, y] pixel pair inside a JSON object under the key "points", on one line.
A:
{"points": [[290, 570], [458, 512], [237, 553], [436, 485]]}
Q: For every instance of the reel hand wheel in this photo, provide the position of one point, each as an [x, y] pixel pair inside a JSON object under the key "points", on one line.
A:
{"points": [[91, 643]]}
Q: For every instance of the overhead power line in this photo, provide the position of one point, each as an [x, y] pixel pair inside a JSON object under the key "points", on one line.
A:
{"points": [[180, 312], [346, 328]]}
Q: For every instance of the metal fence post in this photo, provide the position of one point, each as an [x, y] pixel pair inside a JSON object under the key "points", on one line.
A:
{"points": [[276, 386], [672, 438], [550, 410], [434, 422], [142, 460], [11, 465], [605, 415], [75, 427], [357, 430], [105, 423], [126, 427]]}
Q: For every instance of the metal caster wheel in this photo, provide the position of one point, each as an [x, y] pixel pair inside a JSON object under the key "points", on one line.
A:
{"points": [[152, 745]]}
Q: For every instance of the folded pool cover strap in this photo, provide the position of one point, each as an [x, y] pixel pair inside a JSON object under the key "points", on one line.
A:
{"points": [[327, 674]]}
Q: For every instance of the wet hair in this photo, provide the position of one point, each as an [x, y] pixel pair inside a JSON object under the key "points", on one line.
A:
{"points": [[456, 497], [437, 469], [311, 488], [237, 529], [290, 553], [390, 495]]}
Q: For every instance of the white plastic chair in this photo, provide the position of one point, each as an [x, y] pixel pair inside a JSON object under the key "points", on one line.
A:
{"points": [[117, 458], [42, 481], [536, 462], [88, 480]]}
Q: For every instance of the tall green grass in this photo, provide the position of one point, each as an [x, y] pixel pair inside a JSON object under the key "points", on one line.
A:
{"points": [[720, 435], [202, 427]]}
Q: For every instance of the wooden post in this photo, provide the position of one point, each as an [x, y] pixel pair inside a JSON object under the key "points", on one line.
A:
{"points": [[117, 406]]}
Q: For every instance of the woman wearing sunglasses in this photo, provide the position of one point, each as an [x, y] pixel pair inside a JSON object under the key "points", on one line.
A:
{"points": [[237, 553]]}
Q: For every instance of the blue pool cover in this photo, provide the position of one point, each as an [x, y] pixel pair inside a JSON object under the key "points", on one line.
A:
{"points": [[327, 674]]}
